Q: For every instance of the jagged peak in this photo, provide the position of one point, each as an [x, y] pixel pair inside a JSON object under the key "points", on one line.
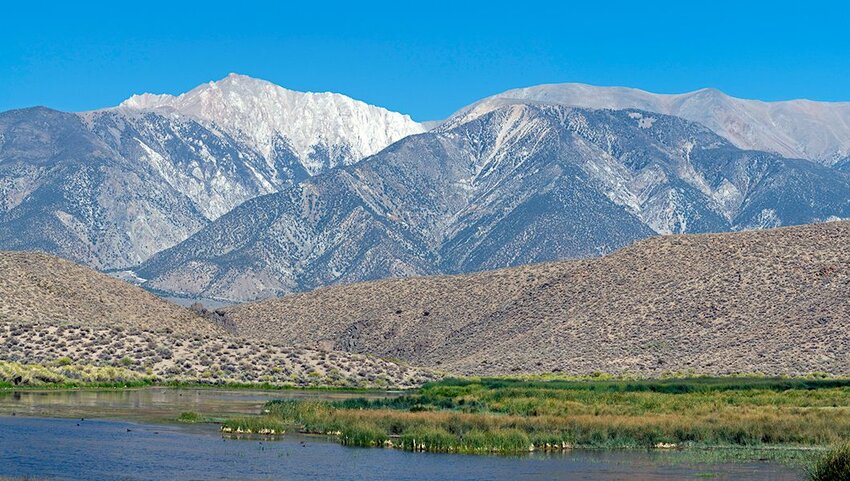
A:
{"points": [[260, 112]]}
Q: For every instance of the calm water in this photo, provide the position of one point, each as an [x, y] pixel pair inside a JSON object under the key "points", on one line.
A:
{"points": [[154, 404], [102, 449]]}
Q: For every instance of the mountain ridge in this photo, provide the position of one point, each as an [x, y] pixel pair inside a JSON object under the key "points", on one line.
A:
{"points": [[523, 183], [324, 129], [800, 128], [54, 312]]}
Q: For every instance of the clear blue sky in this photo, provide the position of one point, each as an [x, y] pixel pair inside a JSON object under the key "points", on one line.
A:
{"points": [[423, 58]]}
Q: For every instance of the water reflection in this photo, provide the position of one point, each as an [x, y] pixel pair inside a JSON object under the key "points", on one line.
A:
{"points": [[154, 404]]}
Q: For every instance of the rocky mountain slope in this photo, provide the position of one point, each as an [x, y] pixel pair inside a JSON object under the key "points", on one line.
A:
{"points": [[109, 188], [520, 183], [322, 130], [774, 301], [55, 312], [64, 191], [801, 129]]}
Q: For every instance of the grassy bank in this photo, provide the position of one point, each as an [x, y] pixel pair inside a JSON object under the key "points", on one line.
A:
{"points": [[65, 375], [505, 415]]}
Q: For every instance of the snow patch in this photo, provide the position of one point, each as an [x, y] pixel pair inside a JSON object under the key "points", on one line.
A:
{"points": [[767, 219]]}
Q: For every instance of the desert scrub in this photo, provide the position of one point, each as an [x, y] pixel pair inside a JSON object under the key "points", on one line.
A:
{"points": [[832, 466], [201, 359], [508, 416]]}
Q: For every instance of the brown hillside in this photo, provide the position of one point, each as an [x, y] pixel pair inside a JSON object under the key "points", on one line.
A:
{"points": [[775, 301], [54, 312], [38, 287]]}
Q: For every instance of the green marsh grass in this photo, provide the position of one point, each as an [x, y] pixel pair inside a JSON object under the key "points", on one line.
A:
{"points": [[253, 424], [834, 465], [495, 415], [189, 417]]}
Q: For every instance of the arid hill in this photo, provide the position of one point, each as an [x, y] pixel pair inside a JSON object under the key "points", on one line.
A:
{"points": [[57, 313], [774, 301], [38, 287]]}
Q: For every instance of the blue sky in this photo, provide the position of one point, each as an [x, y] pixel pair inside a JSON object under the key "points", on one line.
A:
{"points": [[422, 58]]}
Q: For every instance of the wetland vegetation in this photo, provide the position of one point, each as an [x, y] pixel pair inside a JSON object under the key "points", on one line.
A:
{"points": [[793, 420], [511, 415], [834, 465], [730, 423]]}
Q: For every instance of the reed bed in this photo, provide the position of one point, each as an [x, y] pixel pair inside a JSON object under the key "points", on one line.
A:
{"points": [[474, 417], [832, 466]]}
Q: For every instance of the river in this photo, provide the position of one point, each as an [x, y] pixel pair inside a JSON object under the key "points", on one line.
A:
{"points": [[128, 435]]}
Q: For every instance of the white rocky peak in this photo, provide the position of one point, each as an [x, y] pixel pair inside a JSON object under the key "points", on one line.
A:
{"points": [[818, 131], [258, 112]]}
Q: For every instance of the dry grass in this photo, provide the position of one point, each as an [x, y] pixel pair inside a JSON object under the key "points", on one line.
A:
{"points": [[771, 302], [61, 374]]}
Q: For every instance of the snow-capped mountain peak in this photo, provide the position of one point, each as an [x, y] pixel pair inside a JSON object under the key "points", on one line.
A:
{"points": [[322, 129]]}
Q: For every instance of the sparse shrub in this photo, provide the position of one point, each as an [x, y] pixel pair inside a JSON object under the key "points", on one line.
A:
{"points": [[64, 361]]}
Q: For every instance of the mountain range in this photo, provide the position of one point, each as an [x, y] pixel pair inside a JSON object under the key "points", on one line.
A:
{"points": [[111, 187], [522, 183], [801, 129], [240, 189]]}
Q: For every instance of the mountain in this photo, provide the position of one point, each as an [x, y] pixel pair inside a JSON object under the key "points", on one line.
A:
{"points": [[772, 301], [111, 187], [64, 190], [68, 318], [802, 129], [520, 183], [321, 130]]}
